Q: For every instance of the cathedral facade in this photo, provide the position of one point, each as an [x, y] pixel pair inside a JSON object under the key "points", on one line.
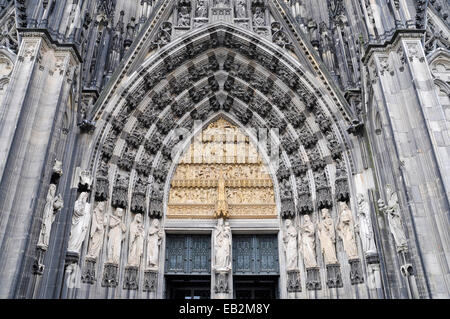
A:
{"points": [[196, 149]]}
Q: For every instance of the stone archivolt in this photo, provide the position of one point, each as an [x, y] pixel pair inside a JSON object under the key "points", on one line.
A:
{"points": [[195, 188]]}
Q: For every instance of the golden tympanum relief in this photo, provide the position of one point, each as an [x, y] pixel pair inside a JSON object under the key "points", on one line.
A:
{"points": [[221, 175]]}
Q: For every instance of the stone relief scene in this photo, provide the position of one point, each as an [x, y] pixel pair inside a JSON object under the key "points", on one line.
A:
{"points": [[224, 149]]}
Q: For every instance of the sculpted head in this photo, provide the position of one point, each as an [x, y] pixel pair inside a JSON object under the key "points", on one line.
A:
{"points": [[288, 223], [155, 223], [326, 213], [119, 212], [307, 219], [138, 218], [101, 206]]}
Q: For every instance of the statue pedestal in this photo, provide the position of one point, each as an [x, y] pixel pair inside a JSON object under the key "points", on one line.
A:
{"points": [[334, 277], [221, 288], [110, 275], [313, 279], [150, 280]]}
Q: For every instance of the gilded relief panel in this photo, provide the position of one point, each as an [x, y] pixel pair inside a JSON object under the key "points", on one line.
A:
{"points": [[221, 160]]}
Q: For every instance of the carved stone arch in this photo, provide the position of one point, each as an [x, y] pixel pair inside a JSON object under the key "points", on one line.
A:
{"points": [[121, 117]]}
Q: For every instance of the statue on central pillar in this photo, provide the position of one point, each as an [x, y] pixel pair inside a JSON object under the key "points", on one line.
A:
{"points": [[222, 245]]}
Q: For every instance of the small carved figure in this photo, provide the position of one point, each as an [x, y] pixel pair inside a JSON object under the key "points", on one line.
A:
{"points": [[365, 226], [327, 237], [115, 236], [154, 240], [136, 244]]}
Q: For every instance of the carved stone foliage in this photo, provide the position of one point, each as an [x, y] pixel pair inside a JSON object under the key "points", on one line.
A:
{"points": [[294, 281], [323, 191], [138, 202], [120, 192], [333, 146]]}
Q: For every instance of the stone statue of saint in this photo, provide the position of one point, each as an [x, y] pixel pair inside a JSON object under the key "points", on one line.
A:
{"points": [[80, 223], [258, 17], [136, 244], [115, 236], [184, 17], [52, 206], [154, 240], [365, 226], [241, 9], [290, 242], [97, 231], [395, 221], [346, 231], [327, 238], [309, 242], [222, 246], [202, 10]]}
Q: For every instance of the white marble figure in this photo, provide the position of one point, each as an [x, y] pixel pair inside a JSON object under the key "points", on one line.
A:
{"points": [[365, 226], [154, 240], [97, 231], [184, 17], [57, 168], [346, 231], [290, 242], [136, 244], [52, 206], [309, 243], [222, 246], [395, 221], [258, 17], [115, 236], [327, 237], [80, 223]]}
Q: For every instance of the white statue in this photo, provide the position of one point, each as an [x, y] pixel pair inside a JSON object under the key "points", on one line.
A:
{"points": [[395, 220], [346, 229], [57, 168], [115, 236], [365, 226], [290, 242], [241, 8], [136, 244], [309, 242], [327, 238], [80, 223], [52, 206], [97, 230], [222, 246], [154, 240]]}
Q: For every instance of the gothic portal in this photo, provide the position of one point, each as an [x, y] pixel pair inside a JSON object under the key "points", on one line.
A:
{"points": [[224, 149]]}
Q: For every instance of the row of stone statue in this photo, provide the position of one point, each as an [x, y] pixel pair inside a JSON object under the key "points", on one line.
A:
{"points": [[116, 229], [346, 229]]}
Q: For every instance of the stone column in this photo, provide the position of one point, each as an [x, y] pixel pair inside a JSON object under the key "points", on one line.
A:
{"points": [[37, 93]]}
